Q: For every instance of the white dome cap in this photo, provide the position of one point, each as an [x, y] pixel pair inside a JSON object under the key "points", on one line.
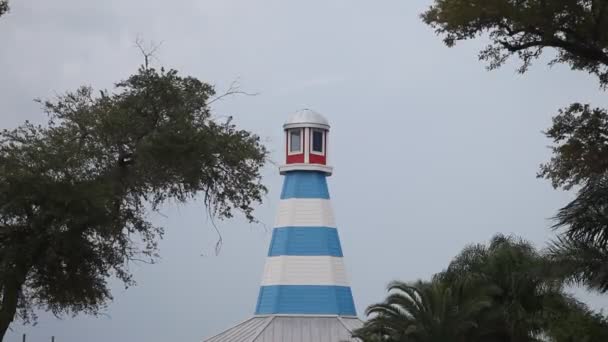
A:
{"points": [[306, 118]]}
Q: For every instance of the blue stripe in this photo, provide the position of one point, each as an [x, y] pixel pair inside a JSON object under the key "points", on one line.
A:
{"points": [[306, 300], [305, 241], [305, 184]]}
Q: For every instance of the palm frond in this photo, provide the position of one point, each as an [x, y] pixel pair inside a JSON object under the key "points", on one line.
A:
{"points": [[580, 262]]}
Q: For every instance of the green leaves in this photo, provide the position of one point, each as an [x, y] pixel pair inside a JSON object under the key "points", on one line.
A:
{"points": [[75, 194], [572, 321], [3, 7], [580, 159], [426, 312], [514, 273], [578, 30], [580, 151], [580, 261], [503, 291]]}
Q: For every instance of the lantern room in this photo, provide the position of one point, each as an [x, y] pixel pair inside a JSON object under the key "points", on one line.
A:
{"points": [[306, 142]]}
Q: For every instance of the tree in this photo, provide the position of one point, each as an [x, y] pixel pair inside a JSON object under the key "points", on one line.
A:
{"points": [[75, 194], [572, 321], [426, 312], [517, 273], [500, 292], [580, 159], [578, 31], [3, 7]]}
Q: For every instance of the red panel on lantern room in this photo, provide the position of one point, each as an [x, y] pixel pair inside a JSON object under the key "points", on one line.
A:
{"points": [[295, 158], [317, 159], [292, 158]]}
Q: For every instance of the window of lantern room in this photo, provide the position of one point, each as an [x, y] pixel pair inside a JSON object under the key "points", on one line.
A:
{"points": [[318, 143], [295, 141]]}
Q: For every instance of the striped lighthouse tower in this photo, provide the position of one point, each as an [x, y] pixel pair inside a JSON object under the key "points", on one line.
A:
{"points": [[304, 272], [305, 293]]}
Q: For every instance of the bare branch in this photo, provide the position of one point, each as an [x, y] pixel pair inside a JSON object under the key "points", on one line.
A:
{"points": [[233, 89], [147, 50], [147, 262], [581, 50]]}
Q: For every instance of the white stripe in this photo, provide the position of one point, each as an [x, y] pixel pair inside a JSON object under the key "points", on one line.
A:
{"points": [[305, 212], [304, 270], [306, 145]]}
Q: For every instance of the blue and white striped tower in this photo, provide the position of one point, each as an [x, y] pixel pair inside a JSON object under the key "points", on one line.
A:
{"points": [[304, 272], [305, 294]]}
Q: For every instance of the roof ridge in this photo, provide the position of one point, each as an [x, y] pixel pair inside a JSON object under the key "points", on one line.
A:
{"points": [[346, 326], [222, 332], [271, 318]]}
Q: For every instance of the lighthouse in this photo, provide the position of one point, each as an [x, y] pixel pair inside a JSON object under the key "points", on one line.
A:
{"points": [[305, 294]]}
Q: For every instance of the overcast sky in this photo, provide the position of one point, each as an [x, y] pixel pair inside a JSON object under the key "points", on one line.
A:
{"points": [[431, 152]]}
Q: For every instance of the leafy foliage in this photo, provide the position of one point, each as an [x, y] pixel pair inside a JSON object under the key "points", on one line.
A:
{"points": [[500, 292], [426, 312], [577, 29], [3, 7], [580, 159], [75, 194], [524, 286], [516, 272], [580, 153], [580, 262], [572, 321]]}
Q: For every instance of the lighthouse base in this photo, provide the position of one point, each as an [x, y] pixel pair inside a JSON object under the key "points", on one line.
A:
{"points": [[291, 328]]}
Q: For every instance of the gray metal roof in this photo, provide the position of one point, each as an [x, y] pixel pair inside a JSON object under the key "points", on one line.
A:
{"points": [[291, 329], [306, 117]]}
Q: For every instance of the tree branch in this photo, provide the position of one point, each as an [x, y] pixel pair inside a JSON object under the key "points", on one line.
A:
{"points": [[147, 51], [574, 48], [233, 89]]}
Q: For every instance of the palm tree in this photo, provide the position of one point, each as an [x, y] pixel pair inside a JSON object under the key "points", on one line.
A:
{"points": [[572, 321], [579, 161], [581, 251], [522, 286], [505, 291], [426, 312], [580, 262]]}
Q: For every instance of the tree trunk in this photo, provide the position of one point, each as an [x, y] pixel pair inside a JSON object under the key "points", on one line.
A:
{"points": [[10, 299]]}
